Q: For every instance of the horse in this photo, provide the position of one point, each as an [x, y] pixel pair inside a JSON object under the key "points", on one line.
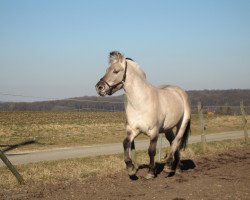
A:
{"points": [[150, 110]]}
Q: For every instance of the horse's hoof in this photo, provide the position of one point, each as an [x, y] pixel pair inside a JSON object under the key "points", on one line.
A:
{"points": [[167, 169], [132, 171], [149, 176], [178, 171]]}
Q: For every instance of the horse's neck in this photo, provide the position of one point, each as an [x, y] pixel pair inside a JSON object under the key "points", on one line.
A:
{"points": [[136, 89]]}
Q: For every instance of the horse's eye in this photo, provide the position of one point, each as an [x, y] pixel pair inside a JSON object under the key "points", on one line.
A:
{"points": [[116, 71]]}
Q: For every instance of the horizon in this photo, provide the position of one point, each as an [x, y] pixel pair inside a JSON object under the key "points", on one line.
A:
{"points": [[59, 49]]}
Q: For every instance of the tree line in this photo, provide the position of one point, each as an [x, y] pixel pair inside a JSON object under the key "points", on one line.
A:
{"points": [[223, 101]]}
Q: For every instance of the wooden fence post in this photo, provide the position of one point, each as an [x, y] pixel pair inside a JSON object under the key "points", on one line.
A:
{"points": [[244, 120], [202, 125], [11, 168]]}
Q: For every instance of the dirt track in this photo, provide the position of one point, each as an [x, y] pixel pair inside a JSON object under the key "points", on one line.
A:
{"points": [[222, 176], [102, 149]]}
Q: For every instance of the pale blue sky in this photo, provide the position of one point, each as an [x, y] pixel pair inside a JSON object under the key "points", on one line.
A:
{"points": [[58, 49]]}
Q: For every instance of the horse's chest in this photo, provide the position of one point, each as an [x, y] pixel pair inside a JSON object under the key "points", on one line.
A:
{"points": [[142, 121]]}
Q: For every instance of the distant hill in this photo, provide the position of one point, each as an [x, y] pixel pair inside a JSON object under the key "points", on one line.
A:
{"points": [[88, 103], [221, 101], [218, 98]]}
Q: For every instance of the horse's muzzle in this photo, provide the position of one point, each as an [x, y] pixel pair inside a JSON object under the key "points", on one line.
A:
{"points": [[101, 88]]}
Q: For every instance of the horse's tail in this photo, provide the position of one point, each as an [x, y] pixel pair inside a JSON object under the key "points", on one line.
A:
{"points": [[184, 139]]}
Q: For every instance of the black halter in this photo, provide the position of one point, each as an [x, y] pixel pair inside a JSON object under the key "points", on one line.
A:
{"points": [[112, 87]]}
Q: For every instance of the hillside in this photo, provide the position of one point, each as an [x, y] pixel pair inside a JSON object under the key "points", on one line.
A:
{"points": [[218, 98]]}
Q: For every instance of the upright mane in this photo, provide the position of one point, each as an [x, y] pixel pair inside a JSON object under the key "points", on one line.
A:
{"points": [[116, 56]]}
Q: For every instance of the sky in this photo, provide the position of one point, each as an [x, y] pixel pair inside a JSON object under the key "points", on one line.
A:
{"points": [[59, 49]]}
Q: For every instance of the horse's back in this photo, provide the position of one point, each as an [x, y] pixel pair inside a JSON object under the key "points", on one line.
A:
{"points": [[172, 89]]}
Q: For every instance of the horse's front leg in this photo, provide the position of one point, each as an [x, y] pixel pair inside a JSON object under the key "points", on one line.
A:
{"points": [[127, 144], [133, 155], [151, 153]]}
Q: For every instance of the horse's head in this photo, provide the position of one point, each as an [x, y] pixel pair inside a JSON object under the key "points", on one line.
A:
{"points": [[115, 75]]}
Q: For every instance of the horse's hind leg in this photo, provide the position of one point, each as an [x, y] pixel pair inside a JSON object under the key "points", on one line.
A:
{"points": [[180, 140], [171, 167], [151, 153]]}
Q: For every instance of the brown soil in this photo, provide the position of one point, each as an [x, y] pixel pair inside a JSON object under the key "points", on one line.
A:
{"points": [[222, 176]]}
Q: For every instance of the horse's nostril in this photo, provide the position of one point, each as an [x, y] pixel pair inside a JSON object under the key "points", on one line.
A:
{"points": [[100, 87]]}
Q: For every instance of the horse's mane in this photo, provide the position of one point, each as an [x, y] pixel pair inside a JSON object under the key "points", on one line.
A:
{"points": [[116, 56]]}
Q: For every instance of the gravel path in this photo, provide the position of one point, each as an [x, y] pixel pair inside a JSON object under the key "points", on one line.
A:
{"points": [[102, 149]]}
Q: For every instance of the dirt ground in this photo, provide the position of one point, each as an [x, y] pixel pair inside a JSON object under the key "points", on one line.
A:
{"points": [[222, 176]]}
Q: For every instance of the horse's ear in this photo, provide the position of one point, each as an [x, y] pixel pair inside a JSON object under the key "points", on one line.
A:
{"points": [[116, 56]]}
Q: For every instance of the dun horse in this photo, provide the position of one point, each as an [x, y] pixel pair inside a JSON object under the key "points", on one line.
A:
{"points": [[150, 110]]}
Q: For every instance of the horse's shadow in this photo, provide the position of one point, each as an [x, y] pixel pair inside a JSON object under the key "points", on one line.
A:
{"points": [[185, 165]]}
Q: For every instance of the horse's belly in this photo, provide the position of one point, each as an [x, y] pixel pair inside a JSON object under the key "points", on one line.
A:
{"points": [[172, 119]]}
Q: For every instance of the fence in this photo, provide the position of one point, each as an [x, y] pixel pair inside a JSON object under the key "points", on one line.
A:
{"points": [[201, 110], [203, 128]]}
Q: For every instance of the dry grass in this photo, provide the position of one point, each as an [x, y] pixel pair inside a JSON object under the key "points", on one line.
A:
{"points": [[60, 129], [62, 171], [196, 150], [82, 168], [54, 129], [218, 123]]}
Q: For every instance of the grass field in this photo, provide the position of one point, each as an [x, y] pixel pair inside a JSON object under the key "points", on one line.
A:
{"points": [[81, 169], [62, 129]]}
